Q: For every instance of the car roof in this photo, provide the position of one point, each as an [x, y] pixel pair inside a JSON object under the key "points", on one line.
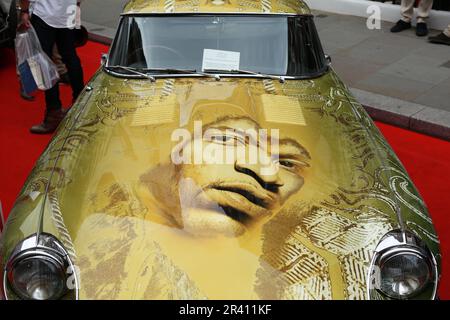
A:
{"points": [[297, 7]]}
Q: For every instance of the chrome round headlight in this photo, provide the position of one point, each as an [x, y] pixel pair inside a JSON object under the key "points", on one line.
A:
{"points": [[39, 277], [402, 268], [39, 269], [404, 275]]}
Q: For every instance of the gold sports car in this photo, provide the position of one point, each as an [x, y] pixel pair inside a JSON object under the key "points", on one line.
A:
{"points": [[217, 155]]}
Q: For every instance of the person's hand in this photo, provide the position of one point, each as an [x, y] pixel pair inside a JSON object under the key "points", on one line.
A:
{"points": [[25, 21]]}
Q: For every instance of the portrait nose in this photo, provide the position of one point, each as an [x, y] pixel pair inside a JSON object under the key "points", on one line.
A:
{"points": [[267, 176]]}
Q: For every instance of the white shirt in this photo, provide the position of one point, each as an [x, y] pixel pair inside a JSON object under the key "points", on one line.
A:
{"points": [[57, 13]]}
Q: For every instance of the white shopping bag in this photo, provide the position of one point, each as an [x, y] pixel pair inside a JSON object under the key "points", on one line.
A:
{"points": [[29, 50]]}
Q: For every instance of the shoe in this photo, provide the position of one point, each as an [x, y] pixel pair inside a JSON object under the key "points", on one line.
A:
{"points": [[401, 26], [421, 29], [64, 78], [51, 121], [440, 38]]}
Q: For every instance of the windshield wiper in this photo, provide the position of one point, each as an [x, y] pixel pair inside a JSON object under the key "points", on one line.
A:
{"points": [[144, 71], [139, 71], [185, 71], [172, 70], [237, 71]]}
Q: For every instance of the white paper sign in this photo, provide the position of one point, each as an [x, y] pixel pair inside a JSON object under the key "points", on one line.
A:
{"points": [[219, 59]]}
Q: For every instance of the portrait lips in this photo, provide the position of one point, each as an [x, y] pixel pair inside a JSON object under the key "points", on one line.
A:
{"points": [[242, 202]]}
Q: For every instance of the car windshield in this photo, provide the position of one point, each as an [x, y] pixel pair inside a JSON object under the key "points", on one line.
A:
{"points": [[276, 45]]}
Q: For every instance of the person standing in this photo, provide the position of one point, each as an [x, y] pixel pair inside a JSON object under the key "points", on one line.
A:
{"points": [[442, 38], [407, 8], [54, 22]]}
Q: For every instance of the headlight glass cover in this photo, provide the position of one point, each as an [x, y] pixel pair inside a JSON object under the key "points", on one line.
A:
{"points": [[38, 278], [38, 270], [404, 275], [402, 267]]}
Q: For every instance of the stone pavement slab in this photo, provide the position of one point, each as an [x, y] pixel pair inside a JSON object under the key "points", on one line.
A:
{"points": [[393, 86], [426, 69], [437, 97]]}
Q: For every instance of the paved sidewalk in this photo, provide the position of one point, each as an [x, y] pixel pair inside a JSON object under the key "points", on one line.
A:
{"points": [[400, 79]]}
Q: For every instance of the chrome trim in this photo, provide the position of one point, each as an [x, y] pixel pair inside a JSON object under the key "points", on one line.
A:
{"points": [[400, 242], [105, 63], [140, 74], [44, 245], [3, 288], [104, 59], [230, 13], [221, 75]]}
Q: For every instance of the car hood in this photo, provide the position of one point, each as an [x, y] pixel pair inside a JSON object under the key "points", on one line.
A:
{"points": [[138, 191]]}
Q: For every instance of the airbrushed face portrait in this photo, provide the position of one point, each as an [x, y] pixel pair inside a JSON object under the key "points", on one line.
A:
{"points": [[229, 175]]}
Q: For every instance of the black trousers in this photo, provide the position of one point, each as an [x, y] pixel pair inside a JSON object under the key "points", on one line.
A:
{"points": [[65, 41]]}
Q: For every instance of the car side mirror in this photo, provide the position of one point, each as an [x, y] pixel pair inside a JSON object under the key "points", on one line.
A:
{"points": [[104, 58], [328, 58]]}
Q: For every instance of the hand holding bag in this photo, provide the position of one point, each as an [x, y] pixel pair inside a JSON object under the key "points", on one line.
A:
{"points": [[32, 60]]}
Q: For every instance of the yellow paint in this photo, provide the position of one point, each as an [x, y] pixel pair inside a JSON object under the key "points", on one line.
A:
{"points": [[144, 227], [217, 6]]}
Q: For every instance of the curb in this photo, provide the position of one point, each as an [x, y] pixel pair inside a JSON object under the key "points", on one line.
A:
{"points": [[99, 38], [98, 33], [404, 114], [407, 115]]}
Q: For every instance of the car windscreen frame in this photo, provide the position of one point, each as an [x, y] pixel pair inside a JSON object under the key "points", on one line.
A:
{"points": [[123, 33]]}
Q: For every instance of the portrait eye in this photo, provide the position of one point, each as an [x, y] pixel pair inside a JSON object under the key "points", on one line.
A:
{"points": [[292, 165], [221, 138], [287, 164], [227, 139]]}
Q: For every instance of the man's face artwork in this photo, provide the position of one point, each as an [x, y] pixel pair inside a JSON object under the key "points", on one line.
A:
{"points": [[223, 194]]}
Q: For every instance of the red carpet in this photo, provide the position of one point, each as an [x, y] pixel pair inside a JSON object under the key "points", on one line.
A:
{"points": [[425, 158], [427, 161], [19, 150]]}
